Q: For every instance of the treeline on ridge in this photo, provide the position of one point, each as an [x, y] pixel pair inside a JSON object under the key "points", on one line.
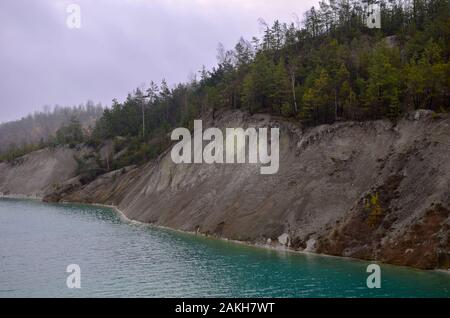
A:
{"points": [[331, 67]]}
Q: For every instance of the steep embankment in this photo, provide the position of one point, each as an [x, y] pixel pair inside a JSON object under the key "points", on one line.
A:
{"points": [[38, 173], [371, 190]]}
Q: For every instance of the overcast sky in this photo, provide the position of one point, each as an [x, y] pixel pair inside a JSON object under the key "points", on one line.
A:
{"points": [[121, 44]]}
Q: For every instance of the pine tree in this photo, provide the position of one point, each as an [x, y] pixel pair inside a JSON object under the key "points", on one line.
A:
{"points": [[384, 83], [317, 104], [280, 96]]}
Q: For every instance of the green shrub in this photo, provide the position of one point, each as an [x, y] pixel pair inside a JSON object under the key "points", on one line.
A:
{"points": [[375, 210]]}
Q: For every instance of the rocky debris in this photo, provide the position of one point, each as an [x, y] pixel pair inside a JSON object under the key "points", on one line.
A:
{"points": [[424, 243], [391, 41], [284, 240], [310, 245]]}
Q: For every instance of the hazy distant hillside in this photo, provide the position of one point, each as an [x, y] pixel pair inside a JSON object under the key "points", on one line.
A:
{"points": [[41, 125]]}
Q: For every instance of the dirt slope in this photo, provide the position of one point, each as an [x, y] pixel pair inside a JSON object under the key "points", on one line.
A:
{"points": [[38, 173], [371, 190]]}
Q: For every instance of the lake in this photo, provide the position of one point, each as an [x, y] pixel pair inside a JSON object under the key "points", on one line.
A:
{"points": [[118, 259]]}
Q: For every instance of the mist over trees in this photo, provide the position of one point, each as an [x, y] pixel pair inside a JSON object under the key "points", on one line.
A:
{"points": [[41, 127]]}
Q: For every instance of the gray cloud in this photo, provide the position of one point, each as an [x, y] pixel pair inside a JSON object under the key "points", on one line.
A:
{"points": [[121, 45]]}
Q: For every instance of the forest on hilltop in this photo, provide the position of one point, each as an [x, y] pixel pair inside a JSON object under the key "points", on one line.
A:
{"points": [[333, 67], [330, 67]]}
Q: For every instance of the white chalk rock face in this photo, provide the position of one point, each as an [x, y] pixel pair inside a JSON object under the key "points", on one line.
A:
{"points": [[310, 245], [283, 239]]}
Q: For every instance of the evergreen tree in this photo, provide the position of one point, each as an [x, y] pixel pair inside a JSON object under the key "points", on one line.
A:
{"points": [[384, 84]]}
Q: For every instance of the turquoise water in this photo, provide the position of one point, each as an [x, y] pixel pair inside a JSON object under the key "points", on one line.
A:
{"points": [[38, 241]]}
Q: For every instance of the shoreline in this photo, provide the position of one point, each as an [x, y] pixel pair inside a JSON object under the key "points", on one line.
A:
{"points": [[259, 246], [280, 248], [21, 197]]}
